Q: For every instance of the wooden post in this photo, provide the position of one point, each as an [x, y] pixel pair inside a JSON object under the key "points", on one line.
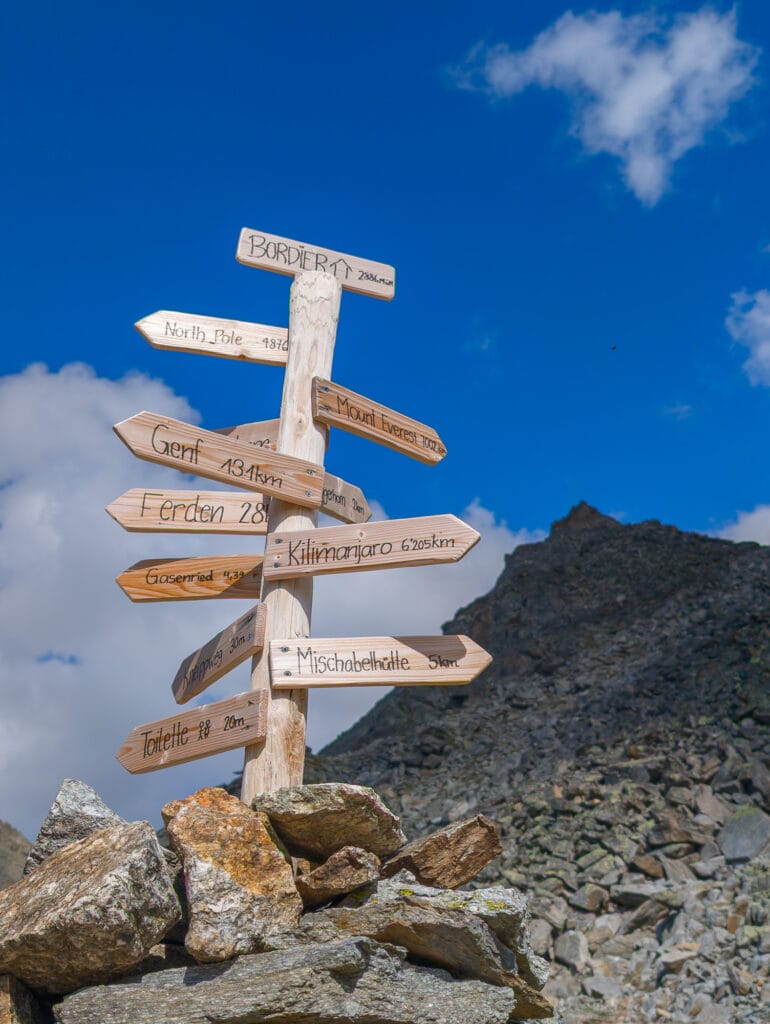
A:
{"points": [[313, 314]]}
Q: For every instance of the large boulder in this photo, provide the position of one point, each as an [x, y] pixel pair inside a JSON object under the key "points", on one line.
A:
{"points": [[316, 821], [239, 885], [353, 981], [76, 812], [89, 912]]}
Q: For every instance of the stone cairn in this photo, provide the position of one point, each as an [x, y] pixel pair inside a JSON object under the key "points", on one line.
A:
{"points": [[310, 907]]}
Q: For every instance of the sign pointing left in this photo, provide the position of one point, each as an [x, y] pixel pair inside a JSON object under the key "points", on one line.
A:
{"points": [[203, 452], [232, 339], [190, 579]]}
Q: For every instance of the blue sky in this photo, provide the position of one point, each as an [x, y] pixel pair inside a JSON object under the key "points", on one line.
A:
{"points": [[575, 200]]}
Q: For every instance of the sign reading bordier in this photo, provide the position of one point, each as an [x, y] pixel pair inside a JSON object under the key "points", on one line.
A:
{"points": [[203, 731], [285, 256], [223, 652], [376, 661], [425, 540], [205, 453], [191, 579], [232, 339], [342, 408]]}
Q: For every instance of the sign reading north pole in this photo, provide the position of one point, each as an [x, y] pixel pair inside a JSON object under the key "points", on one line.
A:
{"points": [[273, 471]]}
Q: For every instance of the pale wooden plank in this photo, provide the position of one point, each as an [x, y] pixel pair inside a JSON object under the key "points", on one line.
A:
{"points": [[313, 315], [146, 511], [392, 544], [344, 501], [376, 661], [192, 579], [223, 652], [200, 732], [261, 434], [340, 407], [212, 336], [205, 453], [286, 256]]}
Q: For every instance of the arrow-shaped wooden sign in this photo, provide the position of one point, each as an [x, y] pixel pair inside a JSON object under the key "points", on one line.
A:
{"points": [[143, 511], [339, 407], [205, 453], [262, 434], [285, 256], [232, 339], [191, 579], [200, 732], [222, 653], [425, 540], [376, 661]]}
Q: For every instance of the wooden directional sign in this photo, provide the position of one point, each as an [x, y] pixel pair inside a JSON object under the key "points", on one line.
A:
{"points": [[426, 540], [376, 661], [191, 579], [284, 255], [206, 453], [203, 731], [233, 339], [144, 511], [342, 408], [262, 434], [223, 652]]}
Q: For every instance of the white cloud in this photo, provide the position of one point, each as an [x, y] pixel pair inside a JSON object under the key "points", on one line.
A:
{"points": [[81, 664], [749, 324], [642, 90], [753, 525], [678, 412]]}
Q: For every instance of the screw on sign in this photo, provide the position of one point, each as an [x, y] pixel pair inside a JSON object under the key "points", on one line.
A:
{"points": [[281, 465]]}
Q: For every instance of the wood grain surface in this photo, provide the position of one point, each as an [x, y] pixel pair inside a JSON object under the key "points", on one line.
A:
{"points": [[146, 511], [193, 579], [211, 336], [223, 652]]}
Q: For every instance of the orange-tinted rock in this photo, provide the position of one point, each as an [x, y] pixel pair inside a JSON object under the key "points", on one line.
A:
{"points": [[345, 871], [451, 857], [239, 884]]}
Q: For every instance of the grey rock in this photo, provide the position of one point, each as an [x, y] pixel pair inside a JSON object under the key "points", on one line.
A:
{"points": [[76, 812], [89, 912], [601, 987], [745, 835], [571, 949], [355, 980], [505, 910], [316, 821]]}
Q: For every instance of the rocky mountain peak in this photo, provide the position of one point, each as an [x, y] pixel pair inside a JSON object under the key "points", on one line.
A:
{"points": [[582, 517]]}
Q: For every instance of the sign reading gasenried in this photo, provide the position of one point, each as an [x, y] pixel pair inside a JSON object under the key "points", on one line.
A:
{"points": [[285, 256], [376, 661], [142, 511], [223, 652], [191, 579], [231, 339], [206, 730], [205, 453], [425, 540], [342, 408]]}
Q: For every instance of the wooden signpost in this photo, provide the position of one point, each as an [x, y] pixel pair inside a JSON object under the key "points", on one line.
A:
{"points": [[242, 638], [144, 511], [201, 732], [190, 579], [428, 540], [358, 415], [280, 463], [231, 339], [377, 661]]}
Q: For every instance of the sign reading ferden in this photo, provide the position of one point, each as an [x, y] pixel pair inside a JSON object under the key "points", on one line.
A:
{"points": [[426, 540], [201, 732], [285, 256], [339, 407], [231, 339], [376, 661], [279, 463]]}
